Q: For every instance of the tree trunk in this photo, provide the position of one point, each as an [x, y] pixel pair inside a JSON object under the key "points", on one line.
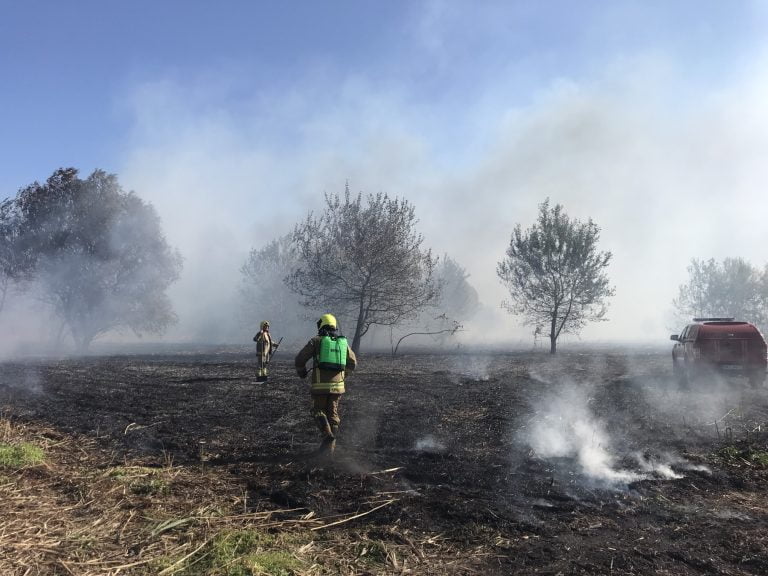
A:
{"points": [[83, 344], [82, 338], [553, 335], [356, 342], [359, 326]]}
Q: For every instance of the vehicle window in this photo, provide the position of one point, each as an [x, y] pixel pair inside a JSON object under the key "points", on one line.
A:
{"points": [[683, 333], [692, 332]]}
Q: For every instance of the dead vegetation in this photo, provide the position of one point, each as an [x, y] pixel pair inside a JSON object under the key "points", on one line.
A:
{"points": [[181, 465], [81, 512]]}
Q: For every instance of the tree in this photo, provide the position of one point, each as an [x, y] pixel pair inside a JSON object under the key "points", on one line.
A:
{"points": [[364, 261], [99, 255], [555, 274], [457, 301], [263, 290], [731, 288], [457, 298], [15, 263]]}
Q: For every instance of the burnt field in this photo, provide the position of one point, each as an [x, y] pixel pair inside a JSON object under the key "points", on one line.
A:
{"points": [[593, 462]]}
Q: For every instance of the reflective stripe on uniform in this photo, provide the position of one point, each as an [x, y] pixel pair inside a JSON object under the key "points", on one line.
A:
{"points": [[328, 387]]}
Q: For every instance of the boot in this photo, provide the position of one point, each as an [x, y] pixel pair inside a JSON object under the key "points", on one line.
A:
{"points": [[325, 432], [328, 446], [323, 425], [332, 445]]}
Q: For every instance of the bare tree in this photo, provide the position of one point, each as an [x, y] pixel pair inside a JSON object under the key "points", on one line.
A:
{"points": [[555, 274], [100, 256], [263, 291], [456, 302], [440, 327], [364, 261], [731, 288]]}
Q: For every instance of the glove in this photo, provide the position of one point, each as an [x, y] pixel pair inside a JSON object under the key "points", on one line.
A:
{"points": [[302, 373]]}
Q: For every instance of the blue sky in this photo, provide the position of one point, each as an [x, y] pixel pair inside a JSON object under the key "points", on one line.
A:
{"points": [[641, 115], [68, 68]]}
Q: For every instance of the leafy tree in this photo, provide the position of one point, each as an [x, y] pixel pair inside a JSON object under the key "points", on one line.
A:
{"points": [[731, 288], [263, 290], [15, 263], [364, 261], [100, 256], [555, 274]]}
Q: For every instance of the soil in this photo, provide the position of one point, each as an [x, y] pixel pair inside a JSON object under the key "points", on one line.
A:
{"points": [[590, 462]]}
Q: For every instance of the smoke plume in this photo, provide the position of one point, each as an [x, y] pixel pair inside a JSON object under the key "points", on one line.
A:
{"points": [[565, 428]]}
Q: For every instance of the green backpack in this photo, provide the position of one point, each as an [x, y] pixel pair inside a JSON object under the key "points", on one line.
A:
{"points": [[332, 354]]}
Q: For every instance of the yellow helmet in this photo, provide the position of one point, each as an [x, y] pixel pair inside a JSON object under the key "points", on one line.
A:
{"points": [[327, 320], [264, 324]]}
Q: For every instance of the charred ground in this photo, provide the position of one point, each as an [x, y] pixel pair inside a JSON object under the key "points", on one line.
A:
{"points": [[436, 455]]}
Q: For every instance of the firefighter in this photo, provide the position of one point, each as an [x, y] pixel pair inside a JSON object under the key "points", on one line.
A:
{"points": [[331, 356], [265, 347]]}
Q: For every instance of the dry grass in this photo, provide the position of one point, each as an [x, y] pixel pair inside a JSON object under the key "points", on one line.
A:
{"points": [[80, 513]]}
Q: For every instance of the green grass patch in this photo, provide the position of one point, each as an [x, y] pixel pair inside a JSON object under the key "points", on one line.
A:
{"points": [[729, 452], [21, 455], [372, 552], [274, 563], [748, 454], [760, 458], [245, 553], [141, 480]]}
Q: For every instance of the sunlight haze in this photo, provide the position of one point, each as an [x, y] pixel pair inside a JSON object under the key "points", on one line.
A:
{"points": [[233, 119]]}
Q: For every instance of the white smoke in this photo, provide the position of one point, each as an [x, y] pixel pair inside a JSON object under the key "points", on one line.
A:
{"points": [[712, 407], [429, 444], [666, 466], [29, 381], [565, 428], [653, 466], [246, 174], [473, 367]]}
